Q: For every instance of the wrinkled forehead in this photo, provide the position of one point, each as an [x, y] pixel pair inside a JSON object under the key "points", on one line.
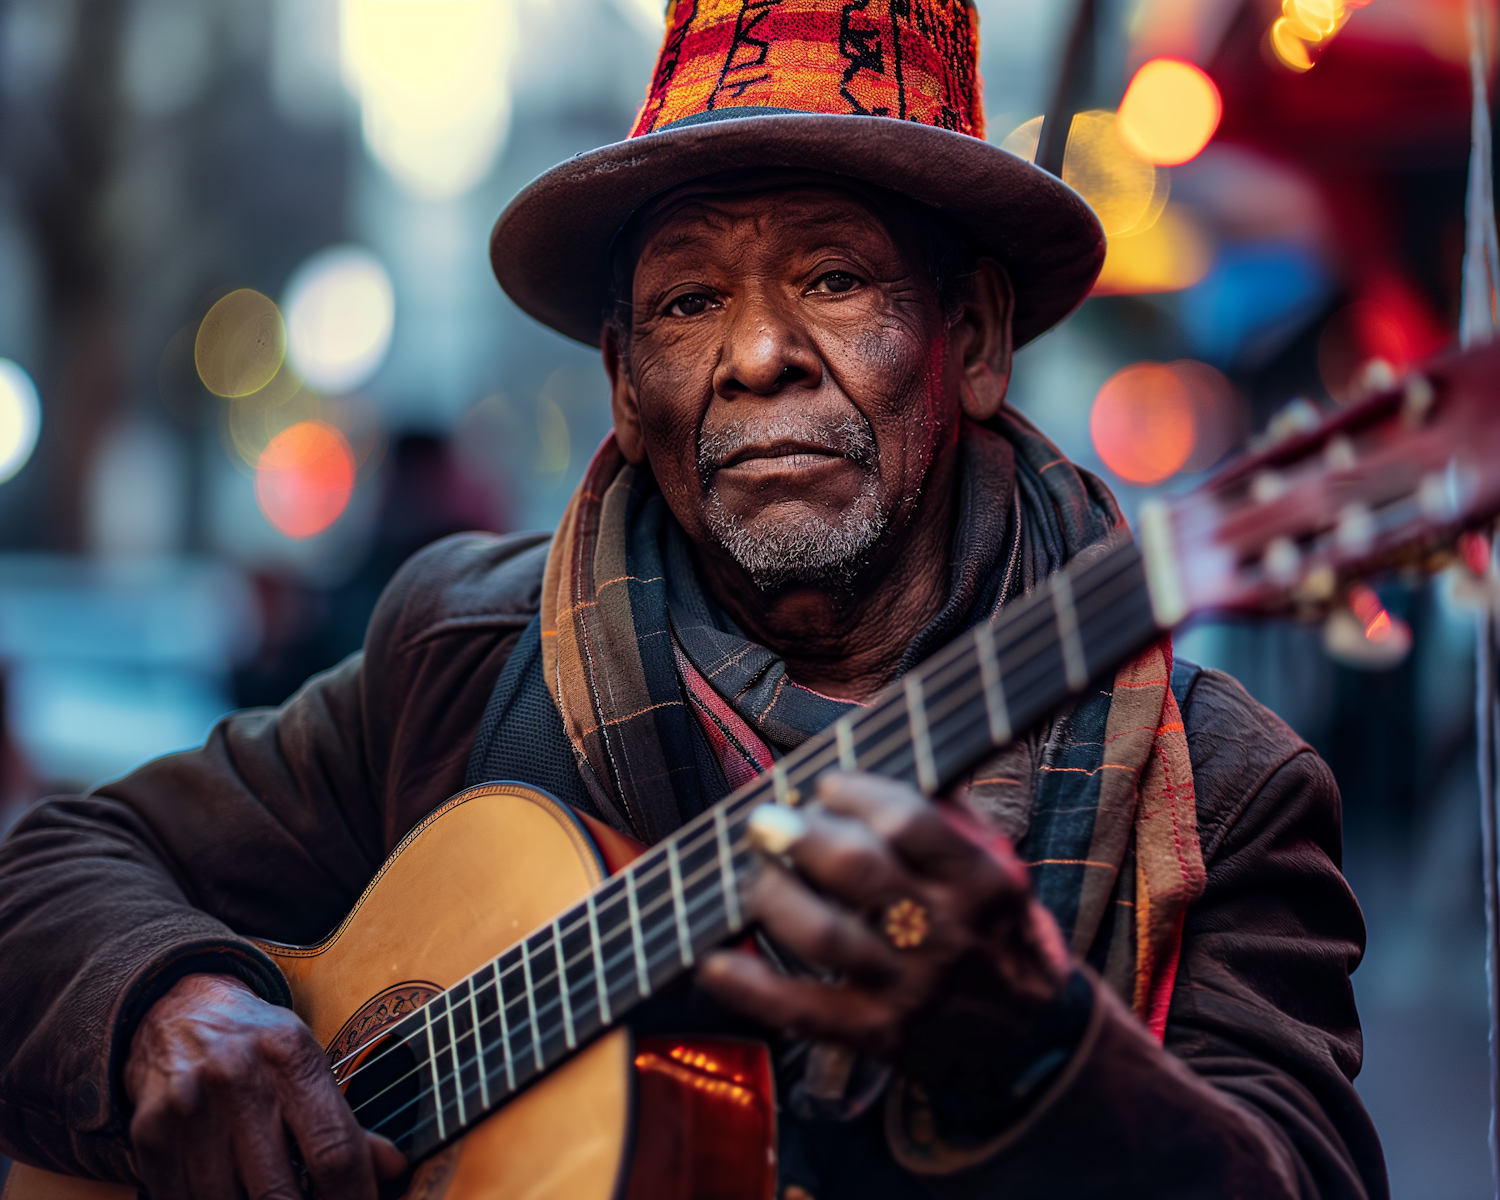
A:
{"points": [[811, 199]]}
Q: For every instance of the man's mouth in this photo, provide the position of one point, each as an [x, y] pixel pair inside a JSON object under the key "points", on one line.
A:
{"points": [[784, 446], [780, 456]]}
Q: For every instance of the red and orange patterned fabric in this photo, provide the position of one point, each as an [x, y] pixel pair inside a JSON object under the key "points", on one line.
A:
{"points": [[914, 60]]}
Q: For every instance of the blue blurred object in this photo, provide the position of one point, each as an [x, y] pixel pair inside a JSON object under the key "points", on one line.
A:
{"points": [[110, 664], [1255, 299]]}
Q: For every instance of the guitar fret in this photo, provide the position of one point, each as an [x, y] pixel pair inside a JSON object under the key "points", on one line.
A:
{"points": [[679, 906], [601, 984], [642, 977], [994, 691], [930, 727], [536, 1034], [727, 884], [562, 988], [916, 716], [843, 731], [458, 1082], [484, 1072], [437, 1095], [1074, 666], [510, 1068]]}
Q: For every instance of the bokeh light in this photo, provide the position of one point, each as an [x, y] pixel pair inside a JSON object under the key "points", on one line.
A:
{"points": [[1172, 253], [1220, 421], [433, 82], [340, 311], [304, 478], [1170, 111], [1142, 423], [240, 344], [20, 418], [1125, 192], [1305, 27]]}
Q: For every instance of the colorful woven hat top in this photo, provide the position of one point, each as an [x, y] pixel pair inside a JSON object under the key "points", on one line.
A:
{"points": [[883, 91], [915, 60]]}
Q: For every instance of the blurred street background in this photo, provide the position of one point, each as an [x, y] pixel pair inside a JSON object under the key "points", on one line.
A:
{"points": [[252, 356]]}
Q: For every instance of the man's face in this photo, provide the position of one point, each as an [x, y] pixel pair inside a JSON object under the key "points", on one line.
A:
{"points": [[791, 378]]}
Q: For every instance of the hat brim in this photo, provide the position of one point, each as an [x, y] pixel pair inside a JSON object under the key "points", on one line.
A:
{"points": [[550, 246]]}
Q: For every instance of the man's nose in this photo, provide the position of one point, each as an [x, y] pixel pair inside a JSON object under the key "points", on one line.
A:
{"points": [[766, 351]]}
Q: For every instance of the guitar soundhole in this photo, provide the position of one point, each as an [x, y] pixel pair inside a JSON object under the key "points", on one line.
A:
{"points": [[381, 1071]]}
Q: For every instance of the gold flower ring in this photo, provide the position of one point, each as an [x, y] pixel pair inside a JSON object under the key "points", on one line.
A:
{"points": [[906, 924]]}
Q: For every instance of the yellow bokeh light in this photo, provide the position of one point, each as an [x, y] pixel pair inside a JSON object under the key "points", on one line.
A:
{"points": [[1290, 49], [1322, 17], [240, 344], [1120, 188], [433, 82], [1170, 111], [1172, 254], [1023, 140]]}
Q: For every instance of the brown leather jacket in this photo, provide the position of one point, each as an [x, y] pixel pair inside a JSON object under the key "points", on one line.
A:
{"points": [[274, 827]]}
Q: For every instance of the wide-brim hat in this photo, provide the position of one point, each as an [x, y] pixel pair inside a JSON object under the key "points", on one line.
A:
{"points": [[886, 92]]}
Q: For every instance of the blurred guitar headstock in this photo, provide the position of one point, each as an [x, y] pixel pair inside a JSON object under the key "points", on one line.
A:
{"points": [[1391, 484]]}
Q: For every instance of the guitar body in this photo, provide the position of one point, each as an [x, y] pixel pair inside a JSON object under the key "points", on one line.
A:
{"points": [[478, 874]]}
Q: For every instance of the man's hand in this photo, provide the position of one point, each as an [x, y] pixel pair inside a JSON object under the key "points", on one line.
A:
{"points": [[991, 957], [222, 1082]]}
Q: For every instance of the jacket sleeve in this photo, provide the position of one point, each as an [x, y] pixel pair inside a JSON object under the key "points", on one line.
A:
{"points": [[1252, 1093], [269, 830]]}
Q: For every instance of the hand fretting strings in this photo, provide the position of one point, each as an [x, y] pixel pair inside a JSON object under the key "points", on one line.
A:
{"points": [[817, 759], [1025, 646]]}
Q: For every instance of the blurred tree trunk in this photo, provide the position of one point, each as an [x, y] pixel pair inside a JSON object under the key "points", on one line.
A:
{"points": [[65, 198]]}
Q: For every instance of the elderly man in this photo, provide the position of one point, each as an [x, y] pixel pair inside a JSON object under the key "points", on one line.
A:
{"points": [[807, 307]]}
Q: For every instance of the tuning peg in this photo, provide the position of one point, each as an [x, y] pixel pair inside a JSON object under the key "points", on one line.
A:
{"points": [[1298, 417], [1360, 633], [1282, 561], [1417, 400]]}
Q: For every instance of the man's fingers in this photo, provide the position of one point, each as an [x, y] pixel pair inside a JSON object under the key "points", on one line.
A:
{"points": [[749, 986], [265, 1160], [334, 1149], [918, 832], [817, 931], [390, 1163]]}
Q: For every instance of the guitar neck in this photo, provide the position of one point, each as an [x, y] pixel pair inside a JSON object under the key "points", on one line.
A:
{"points": [[468, 1050]]}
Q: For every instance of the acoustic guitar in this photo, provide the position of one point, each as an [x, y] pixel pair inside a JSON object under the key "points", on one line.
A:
{"points": [[517, 1076]]}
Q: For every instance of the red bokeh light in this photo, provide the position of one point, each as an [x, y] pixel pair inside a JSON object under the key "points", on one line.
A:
{"points": [[304, 478], [1142, 423]]}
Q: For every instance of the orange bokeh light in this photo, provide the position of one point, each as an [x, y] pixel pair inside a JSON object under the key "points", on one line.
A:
{"points": [[1170, 112], [1366, 606], [304, 478], [1142, 423]]}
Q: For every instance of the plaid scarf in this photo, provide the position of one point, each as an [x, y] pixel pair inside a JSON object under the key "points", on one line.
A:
{"points": [[668, 706]]}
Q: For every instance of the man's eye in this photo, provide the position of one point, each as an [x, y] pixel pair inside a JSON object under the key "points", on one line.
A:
{"points": [[837, 282], [690, 305]]}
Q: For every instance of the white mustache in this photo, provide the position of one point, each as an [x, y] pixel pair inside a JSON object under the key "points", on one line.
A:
{"points": [[850, 437]]}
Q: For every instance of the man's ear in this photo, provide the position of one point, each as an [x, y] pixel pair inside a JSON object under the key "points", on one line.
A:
{"points": [[985, 330], [624, 404]]}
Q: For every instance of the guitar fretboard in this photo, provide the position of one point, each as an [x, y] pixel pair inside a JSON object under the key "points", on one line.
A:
{"points": [[444, 1067]]}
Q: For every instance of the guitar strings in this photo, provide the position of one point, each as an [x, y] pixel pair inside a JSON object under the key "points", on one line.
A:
{"points": [[820, 753], [1042, 616], [454, 1077], [696, 842], [591, 1002]]}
